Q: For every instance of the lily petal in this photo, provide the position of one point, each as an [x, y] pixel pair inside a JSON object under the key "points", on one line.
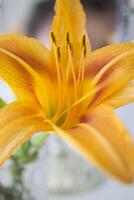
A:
{"points": [[101, 57], [20, 81], [28, 49], [122, 97], [70, 19], [101, 137], [23, 79], [18, 123], [114, 76]]}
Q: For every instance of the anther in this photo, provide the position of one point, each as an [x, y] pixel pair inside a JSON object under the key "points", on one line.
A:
{"points": [[58, 52], [68, 42], [53, 37], [84, 45]]}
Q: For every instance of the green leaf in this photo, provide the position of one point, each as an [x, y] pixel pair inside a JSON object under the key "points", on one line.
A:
{"points": [[40, 139], [2, 103]]}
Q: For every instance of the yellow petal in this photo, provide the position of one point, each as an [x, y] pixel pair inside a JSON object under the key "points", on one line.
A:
{"points": [[34, 73], [104, 119], [70, 18], [114, 76], [16, 76], [18, 123], [23, 79], [100, 57], [28, 49], [122, 97], [101, 137], [17, 109]]}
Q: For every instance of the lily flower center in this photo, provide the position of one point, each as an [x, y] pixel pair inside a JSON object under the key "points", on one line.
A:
{"points": [[70, 81]]}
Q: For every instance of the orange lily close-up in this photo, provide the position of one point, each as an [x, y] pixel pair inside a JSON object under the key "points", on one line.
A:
{"points": [[69, 90]]}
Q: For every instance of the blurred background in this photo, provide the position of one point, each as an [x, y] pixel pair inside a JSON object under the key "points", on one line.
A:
{"points": [[46, 167]]}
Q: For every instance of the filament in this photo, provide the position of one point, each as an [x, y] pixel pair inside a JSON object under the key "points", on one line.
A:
{"points": [[58, 68], [80, 100], [81, 68], [82, 62]]}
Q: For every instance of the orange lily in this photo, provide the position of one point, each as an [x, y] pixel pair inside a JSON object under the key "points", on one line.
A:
{"points": [[70, 90]]}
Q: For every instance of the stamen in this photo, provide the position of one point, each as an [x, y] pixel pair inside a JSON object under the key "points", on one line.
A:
{"points": [[71, 112], [53, 37], [68, 42], [81, 69], [80, 100], [65, 77], [82, 61], [70, 66], [84, 45], [58, 52], [65, 89], [73, 74], [59, 71]]}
